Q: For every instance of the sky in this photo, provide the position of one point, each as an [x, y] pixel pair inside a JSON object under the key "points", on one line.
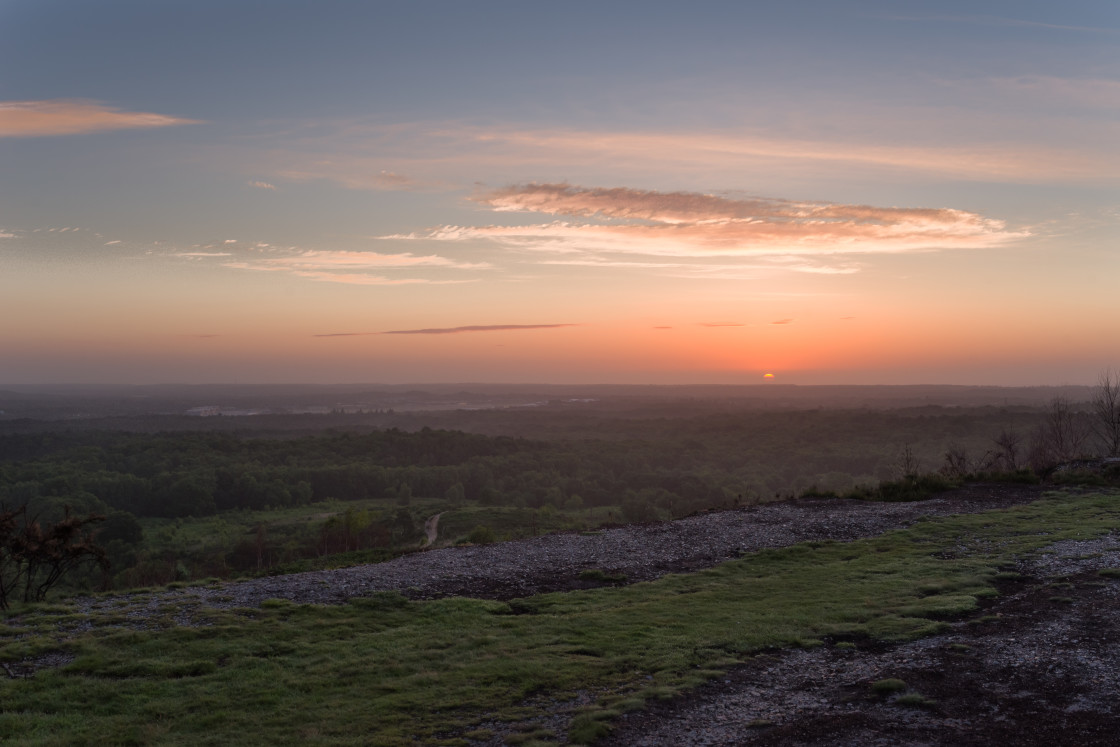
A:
{"points": [[579, 192]]}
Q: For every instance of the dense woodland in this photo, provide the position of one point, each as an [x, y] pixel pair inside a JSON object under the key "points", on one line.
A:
{"points": [[272, 492]]}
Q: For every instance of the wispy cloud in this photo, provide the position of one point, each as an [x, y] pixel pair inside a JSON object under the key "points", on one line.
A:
{"points": [[783, 321], [74, 117], [690, 225], [474, 328], [262, 185], [440, 155], [350, 267], [360, 279], [1058, 92], [1008, 22], [448, 330], [355, 172], [699, 152]]}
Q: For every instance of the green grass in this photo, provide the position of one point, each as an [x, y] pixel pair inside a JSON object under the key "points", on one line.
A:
{"points": [[385, 670], [888, 686]]}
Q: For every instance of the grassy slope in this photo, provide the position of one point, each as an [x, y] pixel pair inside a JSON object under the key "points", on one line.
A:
{"points": [[388, 671]]}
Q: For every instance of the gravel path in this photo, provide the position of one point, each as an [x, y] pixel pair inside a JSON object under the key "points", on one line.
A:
{"points": [[552, 563]]}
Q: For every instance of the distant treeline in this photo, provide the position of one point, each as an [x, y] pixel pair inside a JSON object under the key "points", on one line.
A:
{"points": [[630, 466], [677, 464]]}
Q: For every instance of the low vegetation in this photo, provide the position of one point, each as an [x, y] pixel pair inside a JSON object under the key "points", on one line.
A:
{"points": [[188, 505], [386, 670]]}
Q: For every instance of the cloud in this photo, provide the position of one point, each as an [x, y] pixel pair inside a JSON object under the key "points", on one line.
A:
{"points": [[262, 185], [365, 154], [475, 328], [352, 267], [356, 279], [74, 117], [203, 254], [1010, 22], [323, 259], [352, 173], [720, 152], [623, 220], [783, 321], [1057, 92]]}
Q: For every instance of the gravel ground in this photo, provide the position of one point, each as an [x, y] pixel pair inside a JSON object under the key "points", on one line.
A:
{"points": [[552, 563], [1040, 665]]}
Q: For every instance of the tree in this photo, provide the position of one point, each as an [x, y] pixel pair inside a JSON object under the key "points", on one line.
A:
{"points": [[1106, 411], [1008, 443], [34, 557], [1060, 437]]}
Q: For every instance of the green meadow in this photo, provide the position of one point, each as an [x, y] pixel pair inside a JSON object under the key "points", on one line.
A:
{"points": [[388, 671]]}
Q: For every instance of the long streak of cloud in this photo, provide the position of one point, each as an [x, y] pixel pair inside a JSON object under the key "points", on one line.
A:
{"points": [[355, 268], [689, 224], [448, 330], [75, 117], [474, 328]]}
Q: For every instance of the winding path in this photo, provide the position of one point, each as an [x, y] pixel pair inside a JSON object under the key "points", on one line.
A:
{"points": [[431, 528]]}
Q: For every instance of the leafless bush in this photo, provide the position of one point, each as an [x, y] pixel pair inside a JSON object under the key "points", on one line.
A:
{"points": [[1008, 444], [957, 462], [1106, 412], [1060, 437], [34, 557], [908, 463]]}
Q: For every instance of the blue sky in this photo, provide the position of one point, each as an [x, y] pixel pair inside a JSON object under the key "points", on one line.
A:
{"points": [[842, 191]]}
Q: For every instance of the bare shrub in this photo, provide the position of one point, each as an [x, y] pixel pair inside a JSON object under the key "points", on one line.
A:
{"points": [[908, 463], [1008, 445], [34, 557], [1060, 437], [957, 462], [1106, 412]]}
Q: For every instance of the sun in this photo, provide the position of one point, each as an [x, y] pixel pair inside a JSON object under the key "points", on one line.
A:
{"points": [[768, 376]]}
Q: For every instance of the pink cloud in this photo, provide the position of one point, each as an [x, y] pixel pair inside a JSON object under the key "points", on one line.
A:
{"points": [[353, 268], [74, 117], [688, 224]]}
